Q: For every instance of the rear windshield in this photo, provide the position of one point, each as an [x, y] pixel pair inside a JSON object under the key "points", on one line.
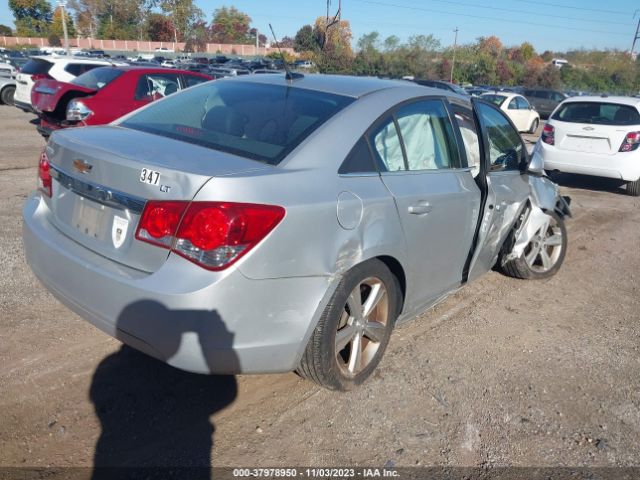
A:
{"points": [[261, 122], [597, 113], [495, 99], [97, 78], [36, 66]]}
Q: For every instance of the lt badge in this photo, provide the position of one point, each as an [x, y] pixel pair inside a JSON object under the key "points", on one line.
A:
{"points": [[119, 231]]}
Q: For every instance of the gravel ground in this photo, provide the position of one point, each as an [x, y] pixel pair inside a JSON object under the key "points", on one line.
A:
{"points": [[503, 373]]}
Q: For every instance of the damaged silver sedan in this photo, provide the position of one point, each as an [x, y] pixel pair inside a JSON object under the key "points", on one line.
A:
{"points": [[274, 223]]}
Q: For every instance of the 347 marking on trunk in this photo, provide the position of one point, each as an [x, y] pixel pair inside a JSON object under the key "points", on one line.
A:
{"points": [[151, 177]]}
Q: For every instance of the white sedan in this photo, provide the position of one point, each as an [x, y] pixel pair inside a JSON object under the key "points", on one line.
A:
{"points": [[517, 108], [597, 136]]}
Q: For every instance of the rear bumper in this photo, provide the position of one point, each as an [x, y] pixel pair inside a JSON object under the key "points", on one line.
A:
{"points": [[623, 166], [205, 322]]}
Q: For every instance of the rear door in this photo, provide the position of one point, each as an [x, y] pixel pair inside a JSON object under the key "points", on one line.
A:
{"points": [[507, 188], [435, 193]]}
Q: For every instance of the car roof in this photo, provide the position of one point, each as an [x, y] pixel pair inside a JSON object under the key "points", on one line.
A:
{"points": [[346, 85], [65, 58], [502, 93], [631, 101]]}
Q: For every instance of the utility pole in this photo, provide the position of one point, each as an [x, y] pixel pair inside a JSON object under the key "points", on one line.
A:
{"points": [[63, 4], [637, 35], [455, 45]]}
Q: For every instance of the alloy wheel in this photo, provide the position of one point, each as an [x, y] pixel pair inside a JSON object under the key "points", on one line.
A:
{"points": [[545, 247]]}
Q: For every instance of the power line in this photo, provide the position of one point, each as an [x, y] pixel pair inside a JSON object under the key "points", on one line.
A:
{"points": [[495, 19], [571, 7], [526, 12]]}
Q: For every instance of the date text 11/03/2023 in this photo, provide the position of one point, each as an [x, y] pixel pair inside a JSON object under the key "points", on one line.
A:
{"points": [[315, 472]]}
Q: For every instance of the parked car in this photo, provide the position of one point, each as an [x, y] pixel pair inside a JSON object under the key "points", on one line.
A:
{"points": [[518, 109], [103, 94], [442, 85], [7, 70], [265, 224], [597, 136], [7, 90], [544, 100], [63, 69]]}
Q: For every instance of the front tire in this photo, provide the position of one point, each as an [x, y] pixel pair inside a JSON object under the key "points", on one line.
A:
{"points": [[544, 254], [534, 126], [7, 95], [633, 188], [354, 329]]}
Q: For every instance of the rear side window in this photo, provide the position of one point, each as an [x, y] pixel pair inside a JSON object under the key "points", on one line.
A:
{"points": [[261, 122], [359, 159], [36, 66], [597, 113], [97, 78], [77, 69], [156, 85]]}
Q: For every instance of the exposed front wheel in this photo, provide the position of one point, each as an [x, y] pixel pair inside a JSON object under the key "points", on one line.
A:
{"points": [[544, 254], [354, 329], [633, 188], [534, 125]]}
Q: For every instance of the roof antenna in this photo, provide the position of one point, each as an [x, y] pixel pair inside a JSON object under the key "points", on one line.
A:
{"points": [[289, 75]]}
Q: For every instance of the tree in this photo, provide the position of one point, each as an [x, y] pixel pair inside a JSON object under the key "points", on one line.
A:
{"points": [[198, 37], [334, 38], [160, 28], [32, 17], [184, 15], [87, 13], [305, 40], [5, 31], [56, 28], [230, 25], [391, 43], [490, 45], [54, 40]]}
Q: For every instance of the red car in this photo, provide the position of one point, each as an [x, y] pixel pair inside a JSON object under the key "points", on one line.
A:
{"points": [[104, 94]]}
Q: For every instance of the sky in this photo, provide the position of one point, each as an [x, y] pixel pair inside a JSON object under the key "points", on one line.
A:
{"points": [[556, 25]]}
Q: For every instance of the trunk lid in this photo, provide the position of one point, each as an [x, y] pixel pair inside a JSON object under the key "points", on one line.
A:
{"points": [[104, 175], [589, 138], [46, 94]]}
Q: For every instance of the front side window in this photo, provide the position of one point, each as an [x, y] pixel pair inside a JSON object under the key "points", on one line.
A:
{"points": [[258, 121], [506, 150], [469, 133], [428, 136]]}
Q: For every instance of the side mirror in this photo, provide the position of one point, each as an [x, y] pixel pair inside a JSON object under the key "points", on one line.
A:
{"points": [[535, 164]]}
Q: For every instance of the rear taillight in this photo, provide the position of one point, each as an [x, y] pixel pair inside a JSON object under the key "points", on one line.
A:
{"points": [[39, 76], [631, 142], [548, 134], [44, 174], [213, 235]]}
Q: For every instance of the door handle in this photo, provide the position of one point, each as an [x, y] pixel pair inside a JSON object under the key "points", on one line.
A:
{"points": [[420, 208]]}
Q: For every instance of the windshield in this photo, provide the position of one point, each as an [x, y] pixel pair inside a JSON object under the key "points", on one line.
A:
{"points": [[597, 113], [261, 122], [495, 99], [97, 78]]}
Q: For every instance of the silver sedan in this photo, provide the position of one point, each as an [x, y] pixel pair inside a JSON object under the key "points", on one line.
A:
{"points": [[269, 224]]}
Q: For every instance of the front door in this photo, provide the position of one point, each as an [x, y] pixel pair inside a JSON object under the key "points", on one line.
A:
{"points": [[507, 188], [435, 195]]}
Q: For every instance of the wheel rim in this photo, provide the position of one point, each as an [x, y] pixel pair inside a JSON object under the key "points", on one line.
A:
{"points": [[362, 326], [544, 249]]}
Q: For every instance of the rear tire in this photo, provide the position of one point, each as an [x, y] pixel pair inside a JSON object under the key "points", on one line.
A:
{"points": [[7, 95], [354, 329], [534, 126], [633, 188], [544, 255]]}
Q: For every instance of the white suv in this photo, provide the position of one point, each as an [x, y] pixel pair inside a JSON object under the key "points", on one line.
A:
{"points": [[63, 69], [597, 136]]}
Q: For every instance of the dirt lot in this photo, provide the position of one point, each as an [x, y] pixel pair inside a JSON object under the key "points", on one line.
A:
{"points": [[505, 372]]}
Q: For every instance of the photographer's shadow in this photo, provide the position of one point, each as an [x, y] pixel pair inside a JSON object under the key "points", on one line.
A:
{"points": [[155, 418]]}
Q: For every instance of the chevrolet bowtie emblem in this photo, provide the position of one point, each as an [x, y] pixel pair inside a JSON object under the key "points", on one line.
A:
{"points": [[82, 166]]}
